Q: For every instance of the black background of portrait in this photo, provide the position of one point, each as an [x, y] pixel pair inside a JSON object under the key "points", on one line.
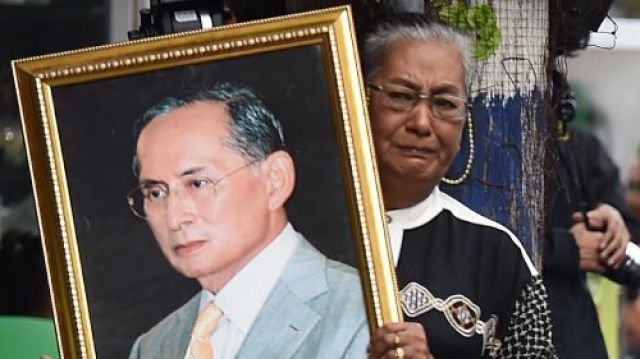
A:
{"points": [[129, 284]]}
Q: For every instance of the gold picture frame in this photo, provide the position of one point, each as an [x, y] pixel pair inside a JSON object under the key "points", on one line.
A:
{"points": [[77, 109]]}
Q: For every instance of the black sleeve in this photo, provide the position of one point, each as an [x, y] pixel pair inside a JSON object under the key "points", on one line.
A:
{"points": [[561, 256], [602, 178]]}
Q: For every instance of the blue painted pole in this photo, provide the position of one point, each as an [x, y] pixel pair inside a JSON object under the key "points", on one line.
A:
{"points": [[506, 182]]}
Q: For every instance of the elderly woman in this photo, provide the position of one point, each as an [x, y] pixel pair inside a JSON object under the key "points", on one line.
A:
{"points": [[468, 289]]}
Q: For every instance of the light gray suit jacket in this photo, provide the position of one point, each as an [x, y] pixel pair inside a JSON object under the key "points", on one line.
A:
{"points": [[315, 310]]}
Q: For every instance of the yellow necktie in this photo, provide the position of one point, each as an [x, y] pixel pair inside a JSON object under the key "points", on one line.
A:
{"points": [[200, 344]]}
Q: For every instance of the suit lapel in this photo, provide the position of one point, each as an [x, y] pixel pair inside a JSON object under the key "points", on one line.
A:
{"points": [[179, 336], [286, 319]]}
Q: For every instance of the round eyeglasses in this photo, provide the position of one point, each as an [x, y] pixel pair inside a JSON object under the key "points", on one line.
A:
{"points": [[150, 198], [403, 99]]}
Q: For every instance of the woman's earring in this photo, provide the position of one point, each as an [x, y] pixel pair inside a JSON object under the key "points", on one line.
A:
{"points": [[467, 168]]}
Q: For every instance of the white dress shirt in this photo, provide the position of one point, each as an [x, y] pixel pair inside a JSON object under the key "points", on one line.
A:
{"points": [[241, 299]]}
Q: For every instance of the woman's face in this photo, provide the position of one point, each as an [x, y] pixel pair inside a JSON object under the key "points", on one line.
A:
{"points": [[414, 146]]}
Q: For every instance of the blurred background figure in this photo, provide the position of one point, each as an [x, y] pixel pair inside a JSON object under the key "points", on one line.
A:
{"points": [[633, 185], [588, 223], [607, 106], [631, 308]]}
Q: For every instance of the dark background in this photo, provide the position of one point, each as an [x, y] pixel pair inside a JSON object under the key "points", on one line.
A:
{"points": [[129, 284], [30, 30]]}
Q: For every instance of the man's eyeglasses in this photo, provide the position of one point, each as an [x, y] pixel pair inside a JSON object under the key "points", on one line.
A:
{"points": [[400, 98], [150, 198]]}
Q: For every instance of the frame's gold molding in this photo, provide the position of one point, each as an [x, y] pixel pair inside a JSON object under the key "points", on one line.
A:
{"points": [[68, 234], [36, 76], [180, 54]]}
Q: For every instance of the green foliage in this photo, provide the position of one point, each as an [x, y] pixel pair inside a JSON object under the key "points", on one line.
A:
{"points": [[479, 19]]}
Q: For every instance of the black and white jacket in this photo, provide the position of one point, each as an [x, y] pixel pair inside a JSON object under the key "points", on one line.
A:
{"points": [[469, 282]]}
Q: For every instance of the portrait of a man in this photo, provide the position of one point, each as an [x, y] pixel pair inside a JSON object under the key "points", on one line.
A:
{"points": [[214, 176], [164, 183]]}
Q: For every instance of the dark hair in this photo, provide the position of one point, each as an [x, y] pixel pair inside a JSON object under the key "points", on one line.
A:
{"points": [[381, 33], [254, 131]]}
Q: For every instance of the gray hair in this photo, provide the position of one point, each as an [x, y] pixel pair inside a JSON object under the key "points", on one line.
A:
{"points": [[253, 129], [386, 32]]}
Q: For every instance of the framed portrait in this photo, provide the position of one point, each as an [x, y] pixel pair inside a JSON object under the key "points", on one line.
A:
{"points": [[108, 278]]}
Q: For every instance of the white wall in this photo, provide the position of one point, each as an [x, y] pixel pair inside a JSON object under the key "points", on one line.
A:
{"points": [[611, 79]]}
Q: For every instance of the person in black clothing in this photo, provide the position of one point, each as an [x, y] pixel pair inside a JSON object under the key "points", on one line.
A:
{"points": [[586, 178]]}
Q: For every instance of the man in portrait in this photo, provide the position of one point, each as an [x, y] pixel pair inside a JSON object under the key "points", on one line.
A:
{"points": [[214, 176]]}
